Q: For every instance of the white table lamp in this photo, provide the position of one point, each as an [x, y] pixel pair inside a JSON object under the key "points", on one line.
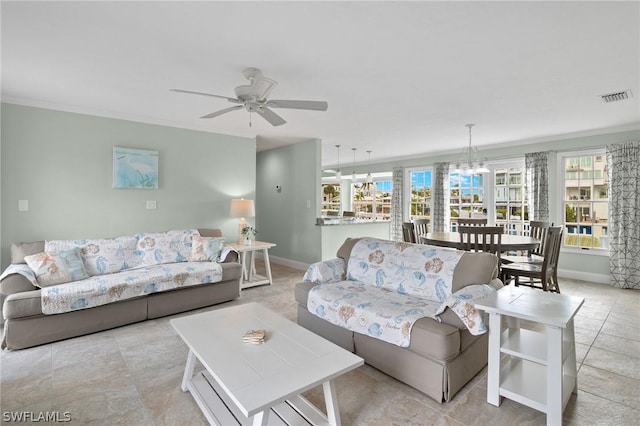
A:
{"points": [[242, 208]]}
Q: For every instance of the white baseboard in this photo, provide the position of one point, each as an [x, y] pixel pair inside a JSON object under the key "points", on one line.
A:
{"points": [[301, 266], [584, 276]]}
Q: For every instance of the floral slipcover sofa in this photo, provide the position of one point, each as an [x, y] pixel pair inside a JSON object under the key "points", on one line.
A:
{"points": [[58, 289], [407, 309]]}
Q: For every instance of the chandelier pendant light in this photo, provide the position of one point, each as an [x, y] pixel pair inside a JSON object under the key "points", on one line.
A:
{"points": [[369, 175], [468, 165], [338, 173]]}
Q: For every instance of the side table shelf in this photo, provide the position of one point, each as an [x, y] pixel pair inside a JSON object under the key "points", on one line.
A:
{"points": [[539, 370]]}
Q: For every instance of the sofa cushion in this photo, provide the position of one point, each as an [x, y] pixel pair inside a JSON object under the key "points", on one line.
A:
{"points": [[20, 250], [155, 248], [413, 269], [57, 267], [101, 256], [206, 249], [435, 340], [22, 305]]}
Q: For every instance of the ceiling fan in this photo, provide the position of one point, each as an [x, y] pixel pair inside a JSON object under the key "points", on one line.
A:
{"points": [[253, 98]]}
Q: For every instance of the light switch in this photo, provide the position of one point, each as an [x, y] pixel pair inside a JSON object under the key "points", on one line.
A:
{"points": [[23, 205], [152, 205], [308, 204]]}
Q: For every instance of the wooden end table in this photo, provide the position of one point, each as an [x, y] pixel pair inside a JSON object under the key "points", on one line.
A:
{"points": [[249, 277], [540, 369]]}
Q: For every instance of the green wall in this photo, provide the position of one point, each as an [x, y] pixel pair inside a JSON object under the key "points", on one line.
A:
{"points": [[62, 164], [287, 216]]}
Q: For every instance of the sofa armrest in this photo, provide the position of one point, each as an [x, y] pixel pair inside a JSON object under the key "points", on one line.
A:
{"points": [[327, 271], [15, 283]]}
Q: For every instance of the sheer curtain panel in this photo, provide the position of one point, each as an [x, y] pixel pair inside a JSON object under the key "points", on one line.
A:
{"points": [[623, 162], [440, 197], [397, 215], [537, 184]]}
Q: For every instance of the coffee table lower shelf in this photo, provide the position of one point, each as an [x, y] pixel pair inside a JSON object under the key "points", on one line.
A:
{"points": [[220, 410]]}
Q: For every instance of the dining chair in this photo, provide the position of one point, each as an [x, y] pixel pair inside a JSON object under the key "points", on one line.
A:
{"points": [[538, 230], [420, 227], [471, 222], [540, 275], [481, 238], [408, 232]]}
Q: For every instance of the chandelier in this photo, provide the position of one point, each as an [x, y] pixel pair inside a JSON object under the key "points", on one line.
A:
{"points": [[338, 173], [468, 165]]}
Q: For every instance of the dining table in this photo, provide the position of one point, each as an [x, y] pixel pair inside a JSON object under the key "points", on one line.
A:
{"points": [[452, 240]]}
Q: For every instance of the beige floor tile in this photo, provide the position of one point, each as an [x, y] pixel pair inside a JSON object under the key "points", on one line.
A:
{"points": [[628, 331], [588, 409], [618, 344], [614, 362], [610, 386]]}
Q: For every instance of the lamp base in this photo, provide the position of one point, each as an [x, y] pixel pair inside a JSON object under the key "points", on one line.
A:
{"points": [[241, 225]]}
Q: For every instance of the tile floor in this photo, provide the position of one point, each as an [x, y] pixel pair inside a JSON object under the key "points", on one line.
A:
{"points": [[131, 375]]}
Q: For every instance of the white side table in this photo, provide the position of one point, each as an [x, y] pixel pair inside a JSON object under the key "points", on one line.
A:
{"points": [[540, 369], [249, 277]]}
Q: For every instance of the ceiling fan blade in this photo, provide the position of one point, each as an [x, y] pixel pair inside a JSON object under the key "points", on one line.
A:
{"points": [[222, 111], [310, 105], [270, 116], [189, 92]]}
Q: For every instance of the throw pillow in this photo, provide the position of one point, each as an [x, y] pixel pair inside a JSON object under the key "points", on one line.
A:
{"points": [[53, 268], [206, 249]]}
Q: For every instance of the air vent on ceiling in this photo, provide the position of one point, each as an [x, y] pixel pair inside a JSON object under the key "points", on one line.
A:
{"points": [[617, 96]]}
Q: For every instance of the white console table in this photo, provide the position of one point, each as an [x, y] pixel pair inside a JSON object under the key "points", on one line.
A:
{"points": [[249, 277], [540, 369]]}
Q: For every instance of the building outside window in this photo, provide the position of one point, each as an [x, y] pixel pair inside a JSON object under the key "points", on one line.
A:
{"points": [[511, 206], [372, 200], [586, 200], [421, 188], [466, 197]]}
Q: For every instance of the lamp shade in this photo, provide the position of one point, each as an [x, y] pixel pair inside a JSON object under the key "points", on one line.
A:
{"points": [[242, 208]]}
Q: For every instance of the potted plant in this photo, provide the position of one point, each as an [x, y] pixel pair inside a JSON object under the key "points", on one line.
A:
{"points": [[247, 232]]}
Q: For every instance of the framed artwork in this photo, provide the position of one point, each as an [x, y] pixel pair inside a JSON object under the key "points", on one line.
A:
{"points": [[135, 168]]}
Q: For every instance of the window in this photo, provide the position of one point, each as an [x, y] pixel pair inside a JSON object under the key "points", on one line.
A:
{"points": [[372, 200], [421, 187], [330, 198], [586, 201], [511, 209], [466, 196]]}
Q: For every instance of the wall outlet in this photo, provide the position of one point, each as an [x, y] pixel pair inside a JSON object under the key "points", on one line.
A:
{"points": [[152, 204]]}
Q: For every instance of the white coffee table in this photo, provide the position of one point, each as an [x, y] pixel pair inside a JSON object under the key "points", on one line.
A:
{"points": [[260, 384], [539, 370]]}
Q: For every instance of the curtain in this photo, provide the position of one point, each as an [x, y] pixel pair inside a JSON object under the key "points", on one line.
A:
{"points": [[397, 215], [624, 214], [440, 197], [537, 184]]}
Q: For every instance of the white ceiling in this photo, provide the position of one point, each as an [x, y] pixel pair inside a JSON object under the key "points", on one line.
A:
{"points": [[401, 78]]}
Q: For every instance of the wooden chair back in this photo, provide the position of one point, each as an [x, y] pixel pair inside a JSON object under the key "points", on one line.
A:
{"points": [[471, 222], [481, 238], [538, 230], [408, 232], [420, 227]]}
